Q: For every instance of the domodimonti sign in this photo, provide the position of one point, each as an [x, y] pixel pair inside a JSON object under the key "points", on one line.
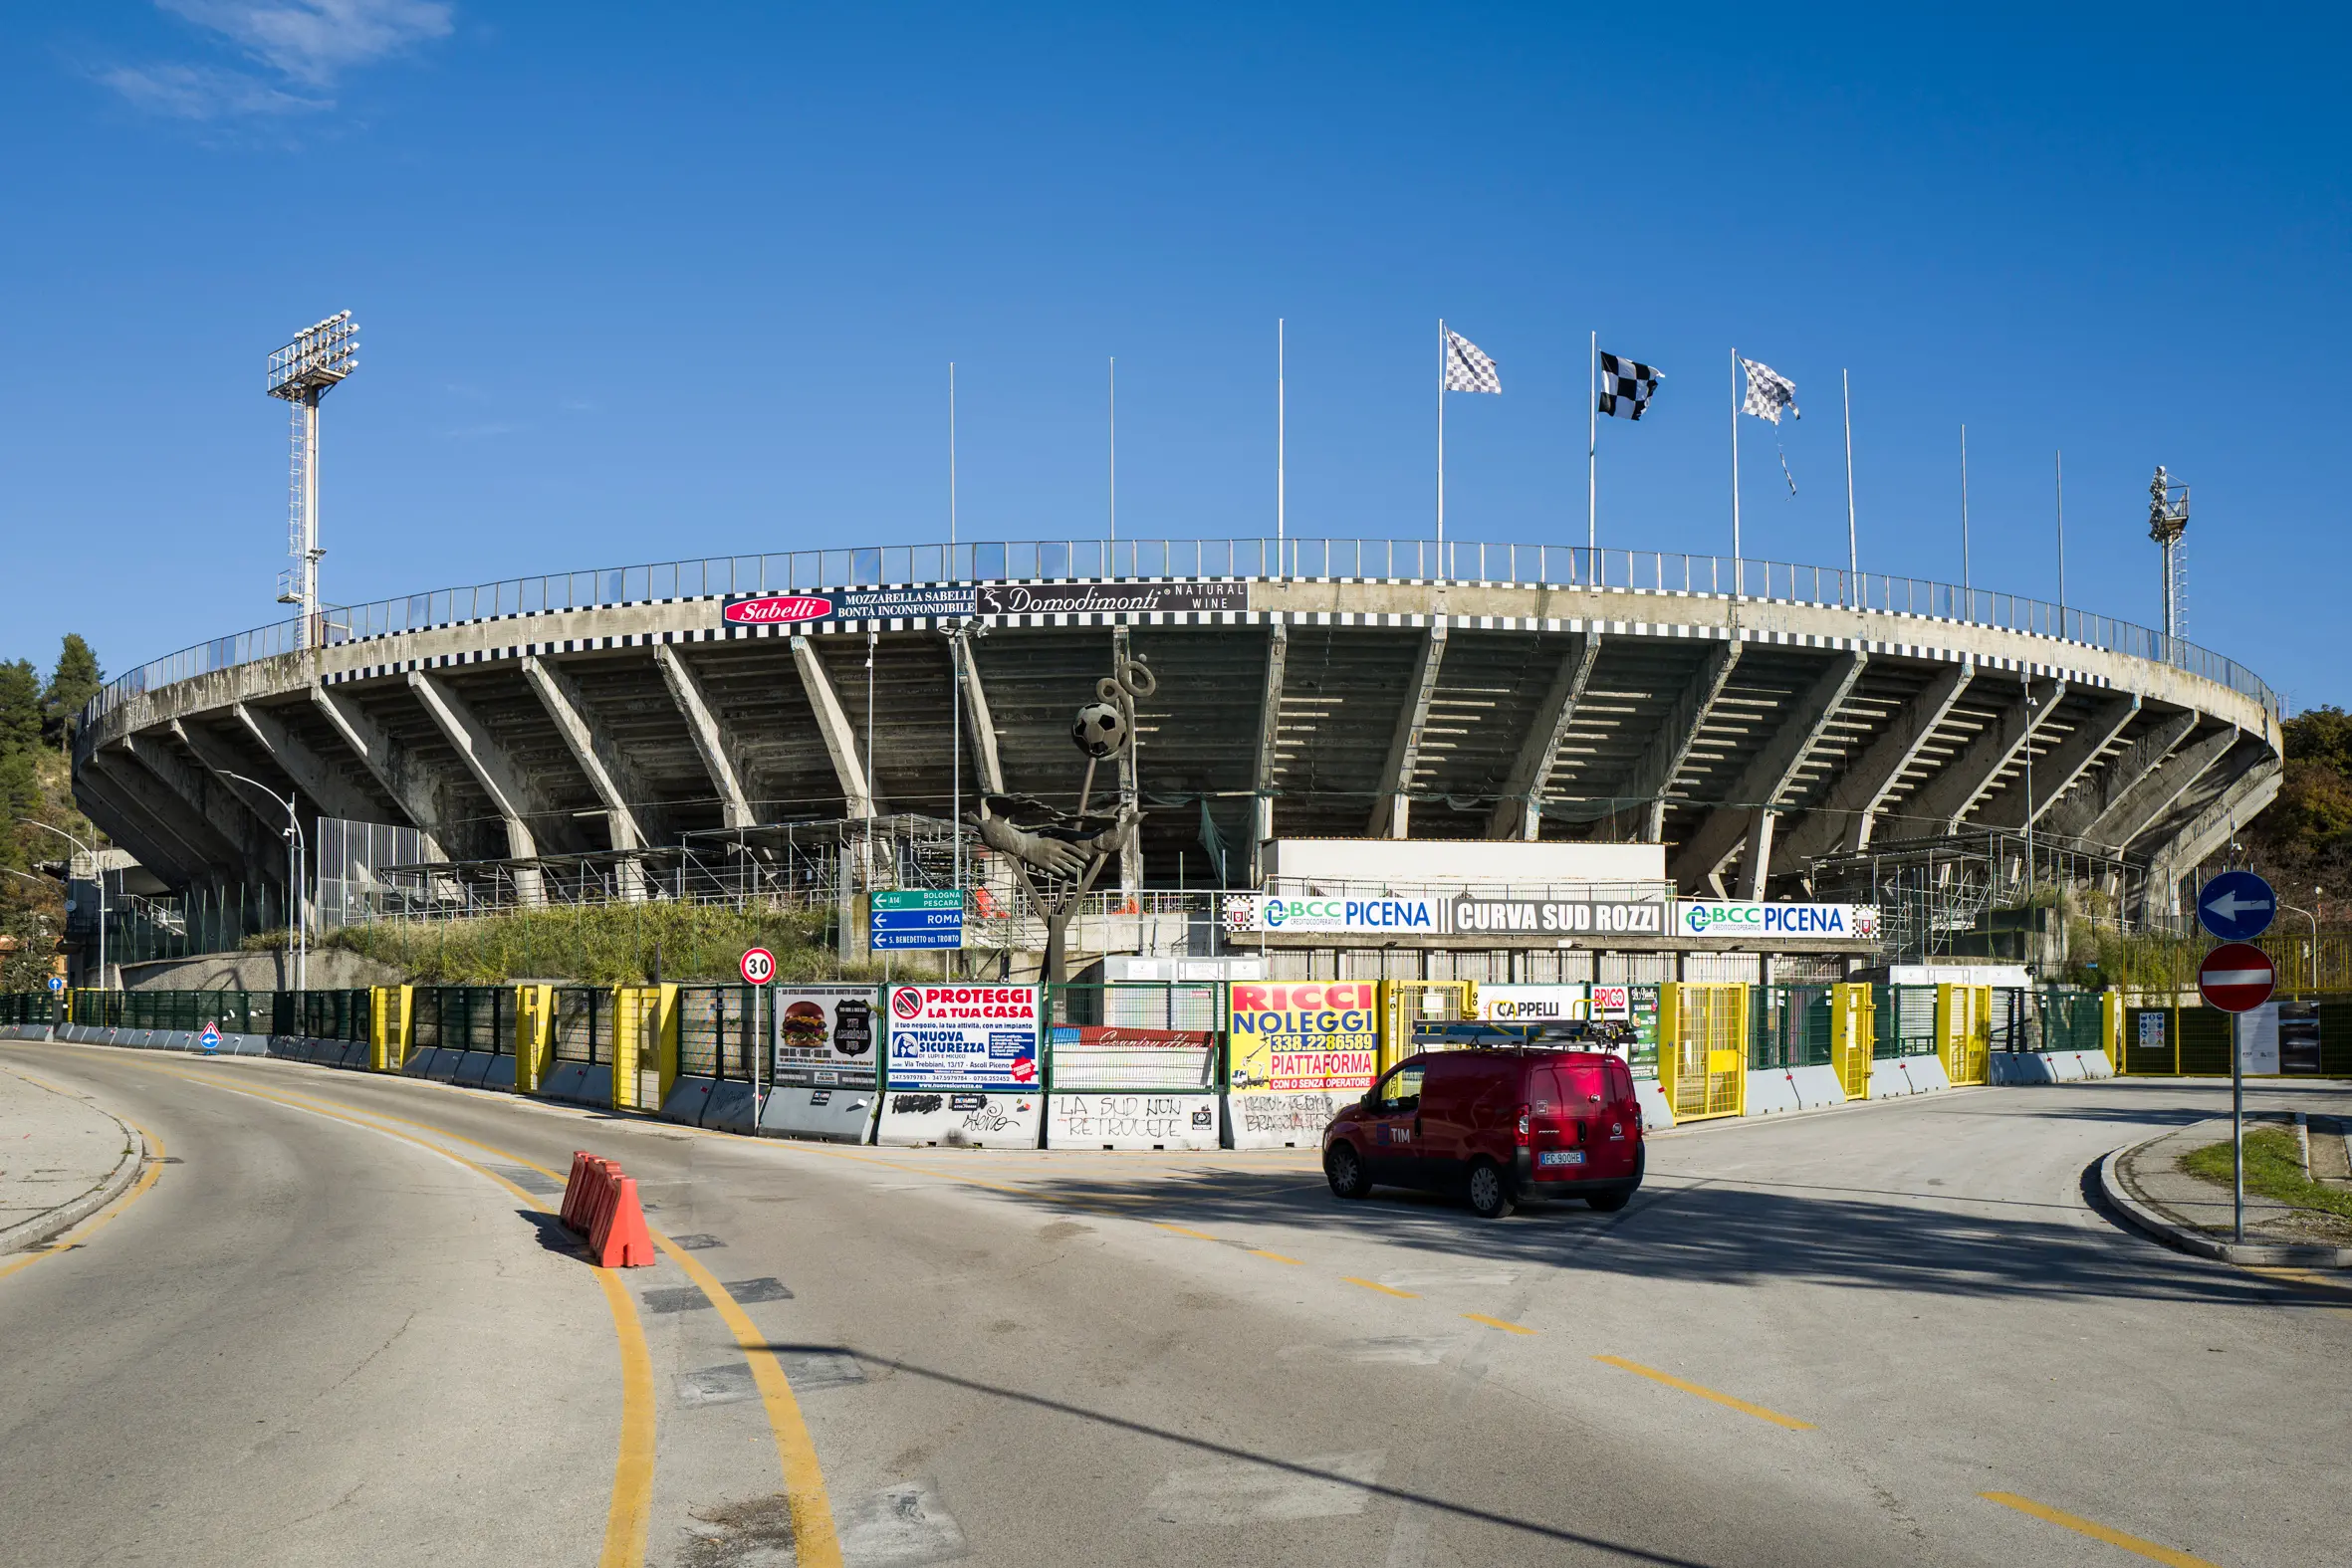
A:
{"points": [[954, 600]]}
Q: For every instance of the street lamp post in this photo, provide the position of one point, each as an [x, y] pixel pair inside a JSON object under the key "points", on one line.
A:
{"points": [[100, 868], [298, 934]]}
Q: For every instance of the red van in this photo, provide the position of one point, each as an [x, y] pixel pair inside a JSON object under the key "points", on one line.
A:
{"points": [[1501, 1125]]}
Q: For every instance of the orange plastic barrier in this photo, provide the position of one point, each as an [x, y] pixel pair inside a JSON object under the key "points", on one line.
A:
{"points": [[602, 1205]]}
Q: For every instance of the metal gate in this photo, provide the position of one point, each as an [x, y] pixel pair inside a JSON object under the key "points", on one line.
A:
{"points": [[1964, 1029], [1701, 1050], [1852, 1033]]}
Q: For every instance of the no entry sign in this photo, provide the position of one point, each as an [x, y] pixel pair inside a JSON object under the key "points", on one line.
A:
{"points": [[759, 967], [2236, 978]]}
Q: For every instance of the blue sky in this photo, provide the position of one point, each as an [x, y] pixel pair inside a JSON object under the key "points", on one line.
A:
{"points": [[647, 283]]}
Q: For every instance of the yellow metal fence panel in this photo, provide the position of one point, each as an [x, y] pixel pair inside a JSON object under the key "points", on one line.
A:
{"points": [[1706, 1050], [1852, 1033], [1403, 1003]]}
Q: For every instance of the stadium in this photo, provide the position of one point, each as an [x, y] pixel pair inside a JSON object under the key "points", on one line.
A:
{"points": [[1784, 732]]}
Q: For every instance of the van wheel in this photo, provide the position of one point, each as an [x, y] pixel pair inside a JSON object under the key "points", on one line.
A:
{"points": [[1344, 1168], [1489, 1193]]}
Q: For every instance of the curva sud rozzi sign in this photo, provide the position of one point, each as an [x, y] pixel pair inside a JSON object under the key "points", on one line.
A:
{"points": [[1704, 918], [964, 1036]]}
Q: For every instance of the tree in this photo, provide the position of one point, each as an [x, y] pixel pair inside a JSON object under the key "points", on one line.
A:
{"points": [[76, 679]]}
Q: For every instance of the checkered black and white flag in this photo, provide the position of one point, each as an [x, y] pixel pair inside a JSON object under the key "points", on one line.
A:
{"points": [[1468, 369], [1769, 392], [1626, 386]]}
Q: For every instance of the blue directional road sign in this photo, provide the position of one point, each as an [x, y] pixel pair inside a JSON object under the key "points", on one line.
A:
{"points": [[917, 918], [57, 982], [210, 1039], [2236, 906]]}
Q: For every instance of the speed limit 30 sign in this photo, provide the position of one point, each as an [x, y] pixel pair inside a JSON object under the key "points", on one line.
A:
{"points": [[759, 967]]}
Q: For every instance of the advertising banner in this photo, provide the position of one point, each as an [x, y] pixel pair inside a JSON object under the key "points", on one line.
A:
{"points": [[1120, 1056], [1311, 1036], [1468, 914], [964, 1036], [1123, 599], [1531, 1004], [825, 1036], [786, 610], [1273, 912], [1709, 918], [1475, 915]]}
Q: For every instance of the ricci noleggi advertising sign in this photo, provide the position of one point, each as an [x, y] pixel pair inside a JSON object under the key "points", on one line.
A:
{"points": [[1715, 918]]}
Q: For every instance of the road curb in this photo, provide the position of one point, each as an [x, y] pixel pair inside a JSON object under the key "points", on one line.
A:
{"points": [[28, 1234], [2181, 1238]]}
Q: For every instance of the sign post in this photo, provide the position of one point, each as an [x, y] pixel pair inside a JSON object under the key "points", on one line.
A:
{"points": [[757, 967], [2236, 978]]}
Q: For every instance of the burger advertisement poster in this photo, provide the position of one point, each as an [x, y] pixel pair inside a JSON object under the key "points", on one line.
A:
{"points": [[825, 1034], [964, 1036]]}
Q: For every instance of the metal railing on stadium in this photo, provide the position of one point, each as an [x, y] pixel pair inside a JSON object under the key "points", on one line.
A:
{"points": [[1374, 559]]}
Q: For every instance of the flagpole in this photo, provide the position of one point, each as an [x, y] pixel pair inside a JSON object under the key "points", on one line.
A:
{"points": [[1280, 413], [1441, 445], [1738, 568], [1114, 456], [1592, 450], [951, 468], [1853, 553], [2059, 462], [1968, 584]]}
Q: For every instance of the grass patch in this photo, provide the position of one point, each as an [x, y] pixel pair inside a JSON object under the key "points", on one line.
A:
{"points": [[2272, 1169], [603, 945]]}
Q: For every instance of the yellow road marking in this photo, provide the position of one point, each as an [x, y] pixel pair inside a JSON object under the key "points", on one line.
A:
{"points": [[1181, 1229], [631, 1513], [1496, 1322], [1740, 1405], [2096, 1531], [80, 1234], [814, 1540], [1260, 1251], [1387, 1290], [804, 1479]]}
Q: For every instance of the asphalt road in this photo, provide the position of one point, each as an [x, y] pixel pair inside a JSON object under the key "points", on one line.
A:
{"points": [[322, 1339]]}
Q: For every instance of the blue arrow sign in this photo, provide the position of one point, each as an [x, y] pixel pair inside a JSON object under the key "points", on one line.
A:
{"points": [[2236, 906], [210, 1039]]}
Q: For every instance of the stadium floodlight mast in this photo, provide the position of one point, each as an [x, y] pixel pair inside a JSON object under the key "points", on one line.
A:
{"points": [[302, 372], [2167, 520]]}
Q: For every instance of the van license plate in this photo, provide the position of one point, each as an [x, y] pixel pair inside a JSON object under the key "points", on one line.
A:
{"points": [[1560, 1157]]}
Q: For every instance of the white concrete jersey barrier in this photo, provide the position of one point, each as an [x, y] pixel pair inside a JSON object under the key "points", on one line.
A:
{"points": [[1286, 1119], [1656, 1114], [579, 1083], [1771, 1090], [1897, 1076], [1119, 1119], [689, 1097], [833, 1113], [2056, 1066], [961, 1118]]}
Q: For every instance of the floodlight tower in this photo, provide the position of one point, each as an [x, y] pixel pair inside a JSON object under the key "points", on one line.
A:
{"points": [[302, 372], [2167, 520]]}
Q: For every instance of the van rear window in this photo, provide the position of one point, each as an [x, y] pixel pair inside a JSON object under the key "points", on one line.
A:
{"points": [[1584, 1084]]}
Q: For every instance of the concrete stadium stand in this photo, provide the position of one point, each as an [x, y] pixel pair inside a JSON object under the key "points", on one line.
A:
{"points": [[2155, 757]]}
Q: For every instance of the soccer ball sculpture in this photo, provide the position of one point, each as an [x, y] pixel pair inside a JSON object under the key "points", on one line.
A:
{"points": [[1101, 731]]}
